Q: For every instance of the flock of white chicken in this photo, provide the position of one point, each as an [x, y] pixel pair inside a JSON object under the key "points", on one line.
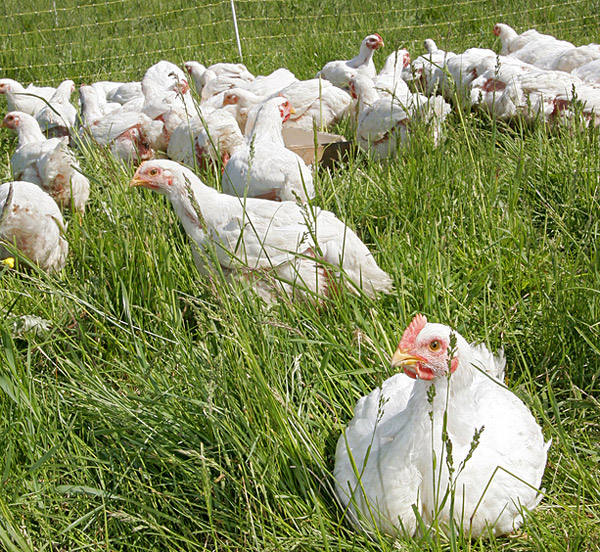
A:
{"points": [[264, 230], [536, 76], [235, 119]]}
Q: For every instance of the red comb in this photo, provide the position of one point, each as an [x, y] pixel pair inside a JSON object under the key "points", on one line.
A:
{"points": [[412, 331]]}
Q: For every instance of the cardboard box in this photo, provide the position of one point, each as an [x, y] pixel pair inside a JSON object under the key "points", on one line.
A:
{"points": [[330, 147]]}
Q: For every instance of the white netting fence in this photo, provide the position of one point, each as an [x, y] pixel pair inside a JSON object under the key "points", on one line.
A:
{"points": [[48, 40]]}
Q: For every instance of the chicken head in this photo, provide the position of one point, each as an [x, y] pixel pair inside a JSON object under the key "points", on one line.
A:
{"points": [[153, 176], [425, 350], [374, 41], [230, 98], [11, 121], [285, 109]]}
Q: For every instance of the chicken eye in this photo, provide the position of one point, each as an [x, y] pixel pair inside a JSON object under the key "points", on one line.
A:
{"points": [[435, 345], [153, 172]]}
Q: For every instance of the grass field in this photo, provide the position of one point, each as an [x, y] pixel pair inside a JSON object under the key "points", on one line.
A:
{"points": [[161, 411]]}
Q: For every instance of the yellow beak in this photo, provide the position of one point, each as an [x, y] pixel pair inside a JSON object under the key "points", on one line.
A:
{"points": [[137, 181], [401, 358]]}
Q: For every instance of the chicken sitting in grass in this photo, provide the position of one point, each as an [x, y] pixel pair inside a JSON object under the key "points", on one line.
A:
{"points": [[384, 121], [29, 100], [47, 162], [278, 248], [30, 221], [207, 140], [339, 72], [58, 117], [445, 444], [263, 167]]}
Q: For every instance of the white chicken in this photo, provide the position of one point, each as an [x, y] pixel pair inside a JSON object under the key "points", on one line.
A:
{"points": [[512, 88], [273, 83], [383, 122], [585, 101], [216, 86], [542, 88], [537, 49], [168, 101], [31, 222], [263, 85], [316, 102], [166, 77], [58, 118], [222, 76], [211, 139], [428, 71], [195, 70], [465, 68], [243, 103], [182, 146], [124, 130], [590, 72], [93, 104], [118, 92], [570, 58], [512, 41], [498, 88], [232, 70], [339, 72], [543, 53], [449, 443], [391, 79], [247, 100], [201, 75], [48, 163], [27, 100], [264, 167], [278, 248]]}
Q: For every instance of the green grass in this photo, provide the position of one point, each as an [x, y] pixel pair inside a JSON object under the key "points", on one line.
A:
{"points": [[46, 40], [163, 411]]}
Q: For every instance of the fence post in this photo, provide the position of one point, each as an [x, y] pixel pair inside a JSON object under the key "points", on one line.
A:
{"points": [[237, 34]]}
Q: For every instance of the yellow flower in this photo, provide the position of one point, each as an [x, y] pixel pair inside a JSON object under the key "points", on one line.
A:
{"points": [[9, 262]]}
